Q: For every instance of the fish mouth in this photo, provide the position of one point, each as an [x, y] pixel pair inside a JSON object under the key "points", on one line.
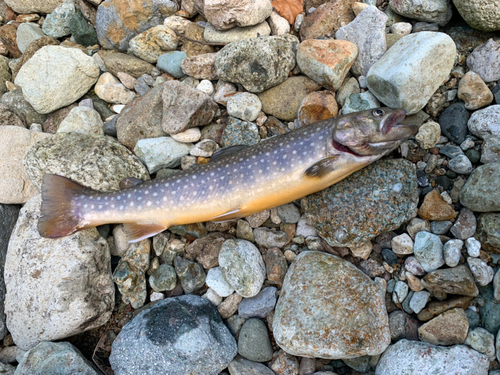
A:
{"points": [[392, 121]]}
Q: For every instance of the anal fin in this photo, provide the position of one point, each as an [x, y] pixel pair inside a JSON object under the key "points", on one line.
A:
{"points": [[228, 216], [137, 232], [322, 167]]}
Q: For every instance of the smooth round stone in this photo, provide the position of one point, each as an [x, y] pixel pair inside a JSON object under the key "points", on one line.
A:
{"points": [[473, 155], [253, 342], [448, 328], [460, 164], [242, 366], [289, 213], [171, 63], [206, 86], [109, 89], [429, 251], [473, 247], [161, 152], [401, 28], [218, 283], [413, 266], [452, 251], [244, 105], [484, 60], [480, 193], [438, 11], [235, 13], [317, 106], [279, 25], [389, 257], [465, 225], [238, 132], [483, 274], [188, 136], [474, 92], [163, 278], [490, 149], [428, 135]]}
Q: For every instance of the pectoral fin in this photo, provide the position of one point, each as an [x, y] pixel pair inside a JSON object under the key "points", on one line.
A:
{"points": [[322, 167], [137, 231], [228, 151], [228, 216], [129, 182]]}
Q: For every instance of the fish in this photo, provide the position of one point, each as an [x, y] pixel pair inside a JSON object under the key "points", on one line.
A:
{"points": [[238, 181]]}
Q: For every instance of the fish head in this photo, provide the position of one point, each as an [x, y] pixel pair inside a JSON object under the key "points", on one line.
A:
{"points": [[374, 132]]}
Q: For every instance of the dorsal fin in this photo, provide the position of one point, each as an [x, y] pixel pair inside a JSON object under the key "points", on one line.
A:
{"points": [[129, 182], [223, 152], [322, 167], [137, 231]]}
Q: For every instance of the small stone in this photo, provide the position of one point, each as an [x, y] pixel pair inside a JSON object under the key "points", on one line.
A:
{"points": [[360, 102], [490, 149], [481, 340], [473, 247], [372, 268], [188, 136], [161, 152], [401, 28], [212, 35], [26, 34], [82, 120], [419, 300], [279, 25], [260, 305], [485, 121], [484, 61], [191, 274], [109, 89], [460, 164], [229, 306], [284, 363], [440, 227], [417, 225], [457, 280], [480, 193], [269, 238], [429, 251], [438, 307], [400, 292], [56, 23], [452, 251], [397, 322], [487, 232], [326, 19], [428, 135], [465, 225], [82, 31], [206, 86], [435, 208], [200, 66], [483, 274], [474, 92], [276, 266], [152, 43], [317, 106], [163, 278], [205, 148], [362, 251], [414, 282], [449, 328], [171, 62], [245, 106], [216, 281], [242, 366], [253, 342], [413, 266], [213, 297]]}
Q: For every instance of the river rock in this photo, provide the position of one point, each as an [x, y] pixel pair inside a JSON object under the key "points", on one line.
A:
{"points": [[200, 66], [180, 335], [162, 152], [56, 23], [56, 76], [424, 58], [328, 328], [485, 122], [72, 273], [480, 193], [117, 22], [490, 149], [273, 57], [436, 11], [435, 208], [31, 6], [26, 34], [244, 105], [243, 366], [465, 225], [474, 92], [81, 27], [79, 157], [449, 328], [419, 358], [317, 106], [483, 274], [82, 120], [480, 14], [109, 89], [484, 60], [482, 341], [377, 199], [488, 232], [116, 62], [428, 249], [239, 132], [453, 122], [152, 43], [458, 280], [212, 35], [15, 185], [253, 341]]}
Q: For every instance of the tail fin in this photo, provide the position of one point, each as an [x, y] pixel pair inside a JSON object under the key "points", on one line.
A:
{"points": [[59, 216]]}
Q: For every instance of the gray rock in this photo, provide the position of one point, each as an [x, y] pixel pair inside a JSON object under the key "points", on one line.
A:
{"points": [[56, 76], [485, 61], [488, 232], [15, 102], [26, 33], [191, 274], [441, 227], [458, 280], [260, 305], [460, 164], [55, 358], [244, 106], [483, 274], [360, 364], [418, 358], [367, 31], [428, 249], [450, 150], [242, 266], [397, 325], [269, 238], [359, 102], [326, 327], [239, 132], [56, 23], [218, 283], [242, 366], [180, 335], [212, 35], [289, 213], [438, 11], [253, 341], [473, 247], [162, 152], [480, 193], [79, 157], [273, 57], [479, 14], [465, 225], [485, 122], [400, 291], [412, 59], [413, 266], [82, 120], [490, 149], [481, 340], [452, 251], [163, 278], [453, 122], [419, 300], [72, 273]]}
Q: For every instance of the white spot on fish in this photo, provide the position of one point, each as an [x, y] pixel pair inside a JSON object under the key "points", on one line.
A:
{"points": [[92, 206], [112, 206], [164, 199], [85, 205], [129, 195], [146, 192], [100, 206], [121, 208], [149, 203], [131, 204], [210, 187], [155, 194], [98, 198]]}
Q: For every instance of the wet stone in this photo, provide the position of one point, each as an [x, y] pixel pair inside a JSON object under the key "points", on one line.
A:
{"points": [[163, 278], [429, 251]]}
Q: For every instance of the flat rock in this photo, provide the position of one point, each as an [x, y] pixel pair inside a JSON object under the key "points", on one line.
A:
{"points": [[308, 324], [435, 11], [449, 328], [376, 199], [15, 185], [180, 335], [31, 6], [212, 35], [419, 358], [116, 62], [56, 76], [480, 193], [162, 152], [242, 366], [435, 208], [424, 58], [458, 280], [72, 273], [80, 157], [480, 14]]}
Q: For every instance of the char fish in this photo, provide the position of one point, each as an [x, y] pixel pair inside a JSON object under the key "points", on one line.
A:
{"points": [[239, 180]]}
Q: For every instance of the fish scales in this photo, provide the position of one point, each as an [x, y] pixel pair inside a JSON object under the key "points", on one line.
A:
{"points": [[273, 172]]}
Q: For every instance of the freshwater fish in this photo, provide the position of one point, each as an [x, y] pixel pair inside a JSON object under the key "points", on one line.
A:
{"points": [[239, 180]]}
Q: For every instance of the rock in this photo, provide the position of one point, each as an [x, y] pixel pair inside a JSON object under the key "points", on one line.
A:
{"points": [[295, 89], [191, 274], [327, 19], [331, 333], [273, 57], [230, 305], [56, 23], [260, 305], [436, 308], [82, 120], [163, 278], [479, 193], [284, 363], [56, 76], [435, 208], [428, 135], [15, 186], [473, 247], [317, 106], [279, 25], [205, 148], [372, 268], [367, 32], [481, 340], [116, 62], [474, 92], [162, 152], [79, 157], [212, 35], [242, 267], [490, 149], [82, 31], [456, 280], [269, 238], [117, 22], [218, 283], [438, 11], [418, 358], [485, 122], [359, 102], [480, 15], [239, 132], [26, 34], [441, 227], [190, 135], [402, 244], [465, 225], [483, 274], [326, 61], [243, 366], [152, 43], [200, 66], [488, 233], [419, 300], [253, 341], [109, 89], [185, 107], [276, 266], [413, 58], [385, 197], [460, 164], [31, 49], [452, 251], [55, 357], [400, 292], [453, 122], [30, 6], [449, 328], [164, 347], [171, 62], [205, 250], [72, 272], [244, 105], [484, 60]]}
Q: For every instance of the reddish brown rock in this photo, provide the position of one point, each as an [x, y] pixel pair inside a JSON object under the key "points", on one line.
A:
{"points": [[327, 19], [435, 308], [8, 37], [435, 208], [276, 266], [458, 280], [473, 91], [317, 106], [449, 328], [205, 250]]}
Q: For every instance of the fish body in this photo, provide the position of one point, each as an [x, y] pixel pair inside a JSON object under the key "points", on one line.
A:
{"points": [[271, 173]]}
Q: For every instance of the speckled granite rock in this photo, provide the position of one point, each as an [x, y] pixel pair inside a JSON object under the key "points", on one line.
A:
{"points": [[321, 314], [377, 199], [481, 193], [488, 232], [480, 14], [239, 132]]}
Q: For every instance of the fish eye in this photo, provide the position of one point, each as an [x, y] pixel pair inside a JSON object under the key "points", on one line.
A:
{"points": [[378, 112]]}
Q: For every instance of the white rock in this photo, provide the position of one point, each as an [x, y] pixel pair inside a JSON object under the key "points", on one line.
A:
{"points": [[56, 288], [216, 281], [485, 121], [401, 28], [206, 86], [204, 148], [213, 297], [304, 229], [26, 33], [400, 292], [156, 296], [433, 11], [82, 120], [188, 136], [244, 105], [279, 25], [451, 251], [363, 251], [473, 247], [402, 244], [223, 93], [483, 274], [56, 76], [109, 89], [213, 35], [483, 341], [419, 300]]}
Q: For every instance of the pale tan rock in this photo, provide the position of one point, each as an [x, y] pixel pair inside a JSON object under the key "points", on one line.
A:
{"points": [[30, 6], [188, 136], [126, 79], [200, 66], [151, 44], [279, 25], [15, 186], [357, 7], [449, 328], [363, 251], [402, 244], [428, 135], [229, 306], [474, 92], [109, 89], [414, 282]]}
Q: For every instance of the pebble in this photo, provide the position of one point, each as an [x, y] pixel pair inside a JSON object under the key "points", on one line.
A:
{"points": [[402, 244], [457, 280], [163, 278], [200, 66], [484, 61], [120, 62], [465, 225], [213, 297], [360, 102], [326, 19], [460, 164], [244, 106], [188, 136], [397, 322], [401, 28], [490, 149], [473, 247], [82, 120], [350, 86], [269, 238], [419, 300], [435, 208], [428, 135], [30, 6], [82, 31], [284, 363], [242, 366], [413, 266], [483, 274], [480, 193], [412, 59], [474, 92], [260, 305], [400, 292], [452, 251], [239, 132], [253, 341], [438, 307], [152, 43], [438, 11], [429, 251], [26, 34], [449, 328], [362, 251], [440, 227], [279, 25], [229, 306], [484, 122], [417, 225], [171, 62], [481, 340], [276, 266], [162, 152], [212, 35], [216, 281], [235, 13], [223, 91], [56, 23], [204, 148], [205, 86], [487, 232]]}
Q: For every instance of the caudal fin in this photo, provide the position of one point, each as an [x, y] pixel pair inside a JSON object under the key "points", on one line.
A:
{"points": [[59, 215]]}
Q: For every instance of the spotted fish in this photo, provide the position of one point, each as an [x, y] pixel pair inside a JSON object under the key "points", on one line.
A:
{"points": [[239, 181]]}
